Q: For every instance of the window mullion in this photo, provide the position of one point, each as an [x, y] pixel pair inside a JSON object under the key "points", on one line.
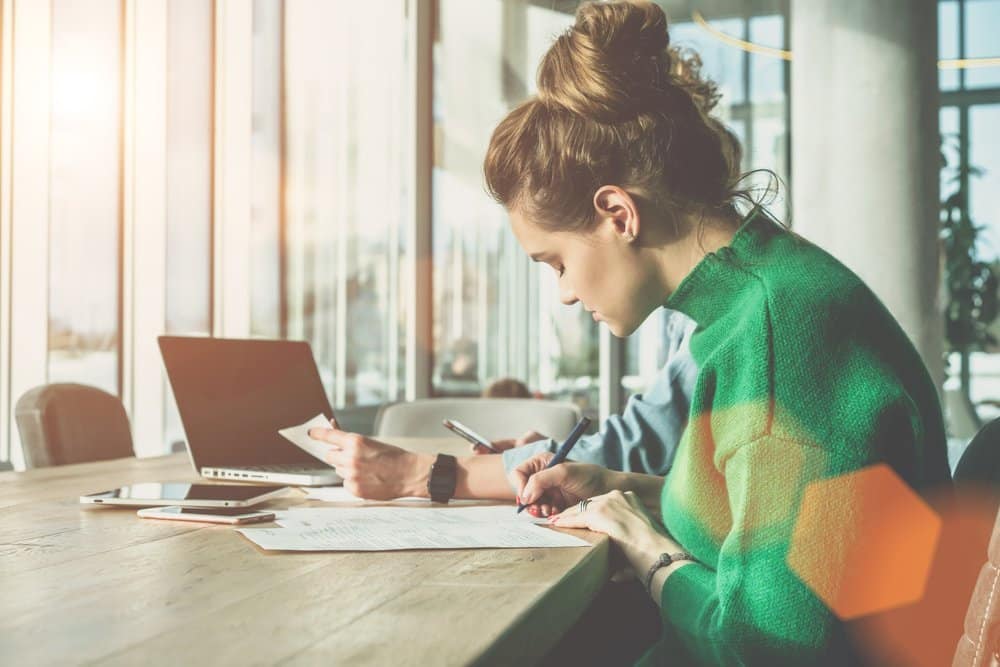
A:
{"points": [[29, 209], [419, 301], [144, 219]]}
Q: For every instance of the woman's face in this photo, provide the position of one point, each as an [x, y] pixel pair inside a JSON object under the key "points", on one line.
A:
{"points": [[613, 278]]}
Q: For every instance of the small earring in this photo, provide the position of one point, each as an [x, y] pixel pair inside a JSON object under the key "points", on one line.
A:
{"points": [[629, 237]]}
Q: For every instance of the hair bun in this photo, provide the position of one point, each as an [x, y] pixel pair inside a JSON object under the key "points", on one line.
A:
{"points": [[616, 62], [609, 62], [624, 28]]}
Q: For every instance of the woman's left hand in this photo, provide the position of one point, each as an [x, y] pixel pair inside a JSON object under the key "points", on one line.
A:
{"points": [[622, 517]]}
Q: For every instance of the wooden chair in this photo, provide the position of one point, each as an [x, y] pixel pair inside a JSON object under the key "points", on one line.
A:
{"points": [[980, 645], [71, 423], [979, 470]]}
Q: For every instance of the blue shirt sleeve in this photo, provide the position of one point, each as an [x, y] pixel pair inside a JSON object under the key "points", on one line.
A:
{"points": [[644, 437]]}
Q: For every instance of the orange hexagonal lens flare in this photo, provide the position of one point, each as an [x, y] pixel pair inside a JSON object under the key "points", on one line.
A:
{"points": [[864, 542]]}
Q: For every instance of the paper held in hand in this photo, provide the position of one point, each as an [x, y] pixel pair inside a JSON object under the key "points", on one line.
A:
{"points": [[299, 436]]}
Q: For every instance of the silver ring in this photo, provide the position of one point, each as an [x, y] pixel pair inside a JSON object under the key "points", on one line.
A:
{"points": [[583, 505]]}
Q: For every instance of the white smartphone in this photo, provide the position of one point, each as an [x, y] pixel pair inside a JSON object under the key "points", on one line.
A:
{"points": [[206, 515], [464, 431]]}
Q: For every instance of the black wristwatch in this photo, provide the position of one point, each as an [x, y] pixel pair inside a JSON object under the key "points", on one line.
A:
{"points": [[441, 485]]}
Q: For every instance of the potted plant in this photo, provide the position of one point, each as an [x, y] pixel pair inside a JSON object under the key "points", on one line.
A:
{"points": [[971, 284]]}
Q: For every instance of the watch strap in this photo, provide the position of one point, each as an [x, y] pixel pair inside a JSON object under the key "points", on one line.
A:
{"points": [[441, 484]]}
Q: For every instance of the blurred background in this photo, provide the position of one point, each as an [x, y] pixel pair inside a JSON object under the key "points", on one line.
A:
{"points": [[311, 169]]}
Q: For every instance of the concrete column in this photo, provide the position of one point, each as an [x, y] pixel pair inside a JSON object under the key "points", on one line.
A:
{"points": [[865, 158]]}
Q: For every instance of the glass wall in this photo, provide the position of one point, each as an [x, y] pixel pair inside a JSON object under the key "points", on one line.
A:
{"points": [[328, 210], [345, 74], [970, 118], [496, 313], [190, 82], [85, 196], [267, 204]]}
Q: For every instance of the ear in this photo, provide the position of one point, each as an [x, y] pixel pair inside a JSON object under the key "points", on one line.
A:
{"points": [[616, 208]]}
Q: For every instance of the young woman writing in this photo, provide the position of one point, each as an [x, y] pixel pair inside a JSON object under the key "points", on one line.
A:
{"points": [[617, 176]]}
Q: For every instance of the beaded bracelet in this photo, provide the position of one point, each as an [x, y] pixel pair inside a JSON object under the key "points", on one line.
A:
{"points": [[664, 560]]}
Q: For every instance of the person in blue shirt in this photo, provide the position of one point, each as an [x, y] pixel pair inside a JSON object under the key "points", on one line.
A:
{"points": [[642, 439], [644, 436]]}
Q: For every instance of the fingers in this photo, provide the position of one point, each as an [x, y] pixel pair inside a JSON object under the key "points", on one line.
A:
{"points": [[345, 448], [634, 501], [569, 518], [504, 444], [540, 482], [333, 435], [336, 437], [578, 519], [519, 476], [480, 450], [542, 510], [527, 438]]}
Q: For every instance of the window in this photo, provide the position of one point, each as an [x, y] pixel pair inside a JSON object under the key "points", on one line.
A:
{"points": [[969, 118], [345, 72], [190, 84], [981, 22], [496, 313], [281, 147], [754, 105], [85, 206], [291, 228]]}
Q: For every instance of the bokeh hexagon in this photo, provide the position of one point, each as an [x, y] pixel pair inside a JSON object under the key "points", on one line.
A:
{"points": [[864, 542]]}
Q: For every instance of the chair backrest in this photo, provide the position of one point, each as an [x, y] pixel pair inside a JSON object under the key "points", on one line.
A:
{"points": [[962, 420], [492, 418], [980, 462], [358, 419], [980, 645], [71, 423]]}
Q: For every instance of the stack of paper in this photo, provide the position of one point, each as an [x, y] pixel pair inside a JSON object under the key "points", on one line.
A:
{"points": [[396, 528]]}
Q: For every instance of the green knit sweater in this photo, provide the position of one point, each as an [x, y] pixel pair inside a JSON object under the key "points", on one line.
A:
{"points": [[803, 375]]}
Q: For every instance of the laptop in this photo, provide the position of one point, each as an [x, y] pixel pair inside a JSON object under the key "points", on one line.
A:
{"points": [[234, 395]]}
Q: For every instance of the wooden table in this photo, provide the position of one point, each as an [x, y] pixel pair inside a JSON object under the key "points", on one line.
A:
{"points": [[84, 584]]}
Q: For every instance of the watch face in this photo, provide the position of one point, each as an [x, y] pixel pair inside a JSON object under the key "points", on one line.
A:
{"points": [[441, 484]]}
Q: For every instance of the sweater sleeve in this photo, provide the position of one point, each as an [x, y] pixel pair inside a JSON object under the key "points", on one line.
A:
{"points": [[644, 437], [749, 608]]}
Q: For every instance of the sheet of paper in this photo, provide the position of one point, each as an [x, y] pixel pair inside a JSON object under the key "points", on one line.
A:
{"points": [[299, 436], [338, 494], [492, 513], [390, 529]]}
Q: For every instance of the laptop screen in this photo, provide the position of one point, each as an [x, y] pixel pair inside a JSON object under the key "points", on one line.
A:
{"points": [[234, 395]]}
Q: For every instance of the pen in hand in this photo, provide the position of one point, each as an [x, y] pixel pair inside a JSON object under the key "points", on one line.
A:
{"points": [[563, 450]]}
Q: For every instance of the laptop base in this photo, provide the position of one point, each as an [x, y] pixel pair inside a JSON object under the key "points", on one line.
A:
{"points": [[294, 475]]}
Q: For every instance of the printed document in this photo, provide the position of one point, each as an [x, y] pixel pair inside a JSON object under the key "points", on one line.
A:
{"points": [[396, 528]]}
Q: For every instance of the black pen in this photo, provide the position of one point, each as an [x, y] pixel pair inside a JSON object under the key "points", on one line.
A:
{"points": [[563, 451]]}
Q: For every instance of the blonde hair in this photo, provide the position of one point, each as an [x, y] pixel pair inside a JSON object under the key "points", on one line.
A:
{"points": [[616, 105]]}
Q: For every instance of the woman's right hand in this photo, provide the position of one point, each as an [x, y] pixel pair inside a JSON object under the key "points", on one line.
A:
{"points": [[510, 443], [547, 491]]}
